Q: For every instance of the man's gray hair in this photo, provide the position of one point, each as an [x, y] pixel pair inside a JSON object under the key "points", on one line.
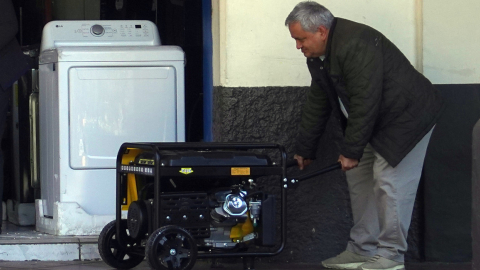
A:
{"points": [[310, 15]]}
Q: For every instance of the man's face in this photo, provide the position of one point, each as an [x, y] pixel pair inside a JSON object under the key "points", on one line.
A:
{"points": [[311, 44]]}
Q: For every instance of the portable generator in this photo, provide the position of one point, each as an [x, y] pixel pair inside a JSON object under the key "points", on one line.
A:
{"points": [[176, 202]]}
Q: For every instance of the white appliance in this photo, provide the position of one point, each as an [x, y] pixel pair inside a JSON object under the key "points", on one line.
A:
{"points": [[102, 83]]}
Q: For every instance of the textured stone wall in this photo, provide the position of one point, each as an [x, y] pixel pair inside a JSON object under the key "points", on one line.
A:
{"points": [[319, 215]]}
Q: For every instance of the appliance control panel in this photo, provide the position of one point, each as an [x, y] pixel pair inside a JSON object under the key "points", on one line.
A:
{"points": [[99, 33], [126, 31]]}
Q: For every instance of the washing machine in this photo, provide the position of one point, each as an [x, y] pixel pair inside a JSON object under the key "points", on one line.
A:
{"points": [[102, 83]]}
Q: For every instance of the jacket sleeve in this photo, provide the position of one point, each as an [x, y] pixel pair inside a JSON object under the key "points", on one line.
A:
{"points": [[362, 68], [316, 112], [8, 22]]}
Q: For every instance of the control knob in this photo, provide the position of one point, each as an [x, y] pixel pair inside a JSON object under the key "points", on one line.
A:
{"points": [[97, 30]]}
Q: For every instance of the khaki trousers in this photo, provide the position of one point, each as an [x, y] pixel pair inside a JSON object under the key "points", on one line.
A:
{"points": [[382, 200]]}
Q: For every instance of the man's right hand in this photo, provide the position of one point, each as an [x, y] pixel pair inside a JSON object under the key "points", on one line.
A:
{"points": [[347, 163], [302, 162]]}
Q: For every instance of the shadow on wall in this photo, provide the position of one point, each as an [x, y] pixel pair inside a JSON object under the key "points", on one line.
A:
{"points": [[448, 177], [476, 197]]}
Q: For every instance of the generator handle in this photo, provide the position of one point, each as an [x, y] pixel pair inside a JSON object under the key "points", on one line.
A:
{"points": [[329, 168], [291, 163]]}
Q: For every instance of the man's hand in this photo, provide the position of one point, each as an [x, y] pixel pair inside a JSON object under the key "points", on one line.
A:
{"points": [[347, 163], [302, 162]]}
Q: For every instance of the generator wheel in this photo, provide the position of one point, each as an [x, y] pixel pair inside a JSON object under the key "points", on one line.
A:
{"points": [[171, 247], [110, 250]]}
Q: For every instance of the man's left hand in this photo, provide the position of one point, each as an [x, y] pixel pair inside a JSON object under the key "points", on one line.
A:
{"points": [[347, 163]]}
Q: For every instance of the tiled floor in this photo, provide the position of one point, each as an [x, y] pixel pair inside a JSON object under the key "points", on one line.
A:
{"points": [[14, 237]]}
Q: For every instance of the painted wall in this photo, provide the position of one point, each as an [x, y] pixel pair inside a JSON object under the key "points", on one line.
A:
{"points": [[451, 41], [252, 46]]}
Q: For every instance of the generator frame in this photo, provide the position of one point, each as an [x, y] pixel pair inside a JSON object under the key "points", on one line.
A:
{"points": [[158, 171], [177, 246]]}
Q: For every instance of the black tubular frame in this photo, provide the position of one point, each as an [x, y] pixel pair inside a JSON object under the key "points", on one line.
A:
{"points": [[155, 148], [329, 168]]}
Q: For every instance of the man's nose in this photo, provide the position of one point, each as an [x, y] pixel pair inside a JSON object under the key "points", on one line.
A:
{"points": [[299, 45]]}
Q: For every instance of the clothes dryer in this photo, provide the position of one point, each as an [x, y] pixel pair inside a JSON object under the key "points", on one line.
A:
{"points": [[102, 83]]}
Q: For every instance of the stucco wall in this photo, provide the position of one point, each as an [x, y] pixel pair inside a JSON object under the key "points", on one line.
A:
{"points": [[252, 47], [451, 41]]}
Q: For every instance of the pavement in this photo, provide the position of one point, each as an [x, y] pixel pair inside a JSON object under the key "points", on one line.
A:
{"points": [[25, 248], [206, 265]]}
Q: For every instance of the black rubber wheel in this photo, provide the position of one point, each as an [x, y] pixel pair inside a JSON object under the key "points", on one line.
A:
{"points": [[110, 250], [171, 247]]}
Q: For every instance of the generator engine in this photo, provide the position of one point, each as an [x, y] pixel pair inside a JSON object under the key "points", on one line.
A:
{"points": [[234, 218], [220, 218]]}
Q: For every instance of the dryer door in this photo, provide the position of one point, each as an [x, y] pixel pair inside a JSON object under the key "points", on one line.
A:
{"points": [[112, 105]]}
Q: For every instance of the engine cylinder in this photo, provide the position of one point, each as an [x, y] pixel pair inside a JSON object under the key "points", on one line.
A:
{"points": [[235, 205]]}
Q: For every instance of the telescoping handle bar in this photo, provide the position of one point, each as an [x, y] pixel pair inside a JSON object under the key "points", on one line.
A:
{"points": [[329, 168]]}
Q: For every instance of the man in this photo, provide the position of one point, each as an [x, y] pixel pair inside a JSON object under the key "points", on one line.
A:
{"points": [[387, 111], [12, 65]]}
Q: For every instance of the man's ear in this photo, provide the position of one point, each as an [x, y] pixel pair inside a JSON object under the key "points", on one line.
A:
{"points": [[323, 31]]}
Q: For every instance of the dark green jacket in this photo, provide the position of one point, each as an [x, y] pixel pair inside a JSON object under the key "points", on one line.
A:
{"points": [[389, 104]]}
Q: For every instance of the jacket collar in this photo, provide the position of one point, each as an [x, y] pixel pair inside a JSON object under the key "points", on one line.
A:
{"points": [[330, 37]]}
